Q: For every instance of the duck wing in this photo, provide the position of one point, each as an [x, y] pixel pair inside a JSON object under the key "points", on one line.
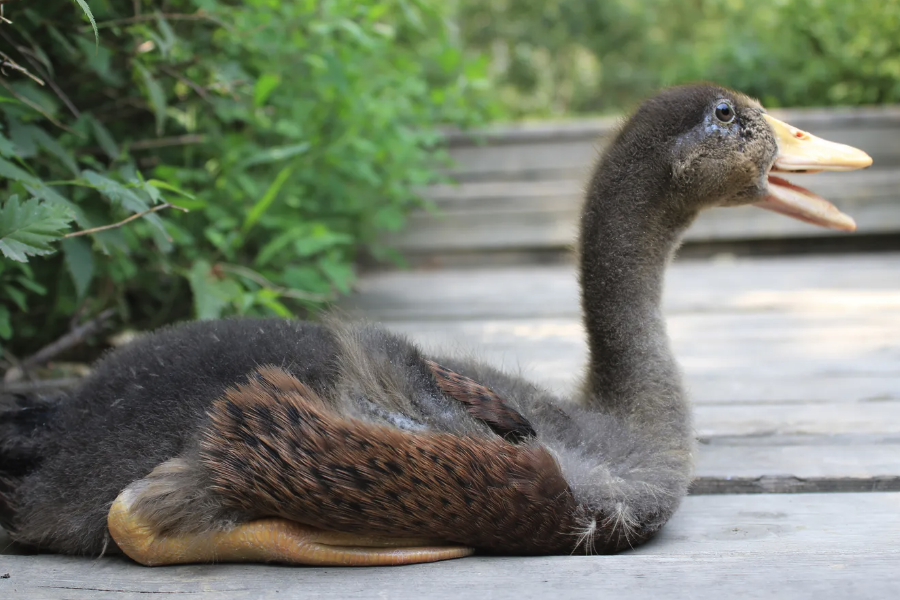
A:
{"points": [[483, 404], [273, 447]]}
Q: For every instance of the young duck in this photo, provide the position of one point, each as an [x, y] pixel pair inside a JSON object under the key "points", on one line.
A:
{"points": [[336, 443]]}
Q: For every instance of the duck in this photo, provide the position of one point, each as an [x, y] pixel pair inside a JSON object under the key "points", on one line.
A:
{"points": [[340, 443]]}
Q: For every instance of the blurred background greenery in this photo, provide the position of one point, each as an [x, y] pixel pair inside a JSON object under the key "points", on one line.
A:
{"points": [[296, 132], [585, 56]]}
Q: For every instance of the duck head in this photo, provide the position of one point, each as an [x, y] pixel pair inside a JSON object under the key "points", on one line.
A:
{"points": [[721, 148]]}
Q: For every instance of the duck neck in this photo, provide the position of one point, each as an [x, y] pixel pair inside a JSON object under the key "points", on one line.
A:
{"points": [[626, 244]]}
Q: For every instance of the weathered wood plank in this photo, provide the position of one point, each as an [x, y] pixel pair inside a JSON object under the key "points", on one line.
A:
{"points": [[552, 351], [554, 147], [521, 186], [813, 457], [813, 546], [839, 284], [789, 484], [546, 216]]}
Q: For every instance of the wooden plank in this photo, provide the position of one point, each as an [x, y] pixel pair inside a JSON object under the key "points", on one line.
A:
{"points": [[789, 484], [521, 186], [757, 345], [800, 419], [772, 546], [812, 119], [807, 576], [512, 152], [824, 457], [745, 388], [528, 214], [839, 284]]}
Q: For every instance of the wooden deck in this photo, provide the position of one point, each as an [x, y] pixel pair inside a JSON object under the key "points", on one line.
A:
{"points": [[519, 187], [794, 366]]}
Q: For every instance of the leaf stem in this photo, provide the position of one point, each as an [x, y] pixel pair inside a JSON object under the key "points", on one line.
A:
{"points": [[157, 208]]}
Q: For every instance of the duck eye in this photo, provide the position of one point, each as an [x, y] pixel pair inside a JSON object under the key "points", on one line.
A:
{"points": [[724, 112]]}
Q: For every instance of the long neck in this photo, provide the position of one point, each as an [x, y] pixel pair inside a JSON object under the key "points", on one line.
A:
{"points": [[627, 241]]}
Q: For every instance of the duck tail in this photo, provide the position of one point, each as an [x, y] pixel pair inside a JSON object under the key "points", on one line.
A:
{"points": [[25, 427]]}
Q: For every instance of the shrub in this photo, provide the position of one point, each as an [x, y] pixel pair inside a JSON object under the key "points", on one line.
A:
{"points": [[294, 132], [584, 56]]}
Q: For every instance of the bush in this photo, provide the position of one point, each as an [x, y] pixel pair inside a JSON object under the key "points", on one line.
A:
{"points": [[294, 131], [584, 56]]}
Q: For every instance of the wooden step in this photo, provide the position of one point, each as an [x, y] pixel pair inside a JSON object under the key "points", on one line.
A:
{"points": [[520, 188]]}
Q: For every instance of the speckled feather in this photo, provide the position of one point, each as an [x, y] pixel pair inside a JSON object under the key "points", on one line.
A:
{"points": [[274, 448], [483, 403]]}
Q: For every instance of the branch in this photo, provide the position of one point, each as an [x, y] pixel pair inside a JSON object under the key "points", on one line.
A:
{"points": [[73, 338], [200, 15], [27, 53], [36, 107], [191, 84], [180, 140], [9, 62], [157, 208]]}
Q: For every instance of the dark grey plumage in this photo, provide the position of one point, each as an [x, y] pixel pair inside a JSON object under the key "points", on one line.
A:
{"points": [[623, 445]]}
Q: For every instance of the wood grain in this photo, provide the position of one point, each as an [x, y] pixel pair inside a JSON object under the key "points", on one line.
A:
{"points": [[519, 187], [756, 546]]}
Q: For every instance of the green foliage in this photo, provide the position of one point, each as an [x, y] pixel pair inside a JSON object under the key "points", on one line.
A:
{"points": [[28, 229], [584, 56], [295, 132]]}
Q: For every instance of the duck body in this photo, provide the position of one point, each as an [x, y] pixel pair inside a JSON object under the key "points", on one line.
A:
{"points": [[242, 438], [154, 401]]}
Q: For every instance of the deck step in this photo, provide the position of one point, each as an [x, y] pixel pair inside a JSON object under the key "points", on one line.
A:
{"points": [[519, 188]]}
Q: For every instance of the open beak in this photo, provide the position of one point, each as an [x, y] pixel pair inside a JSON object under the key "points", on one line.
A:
{"points": [[799, 151]]}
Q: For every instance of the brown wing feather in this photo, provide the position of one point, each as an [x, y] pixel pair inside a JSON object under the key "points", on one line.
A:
{"points": [[273, 448], [483, 404]]}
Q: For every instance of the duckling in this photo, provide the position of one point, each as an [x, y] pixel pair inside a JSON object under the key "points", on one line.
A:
{"points": [[342, 443]]}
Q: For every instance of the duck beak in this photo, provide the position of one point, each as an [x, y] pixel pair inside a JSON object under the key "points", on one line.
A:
{"points": [[799, 151]]}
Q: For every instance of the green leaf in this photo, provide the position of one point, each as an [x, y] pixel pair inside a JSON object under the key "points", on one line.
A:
{"points": [[340, 274], [80, 263], [168, 186], [49, 143], [17, 296], [156, 95], [29, 228], [7, 148], [263, 203], [104, 139], [11, 171], [211, 294], [276, 154], [279, 243], [115, 191], [39, 189], [31, 284], [87, 10], [23, 137], [264, 87], [319, 239], [166, 30], [6, 330]]}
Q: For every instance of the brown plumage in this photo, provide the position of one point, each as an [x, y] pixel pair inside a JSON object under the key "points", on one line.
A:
{"points": [[483, 404], [274, 447]]}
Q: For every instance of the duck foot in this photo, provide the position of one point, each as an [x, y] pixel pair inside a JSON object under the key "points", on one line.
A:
{"points": [[267, 540]]}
